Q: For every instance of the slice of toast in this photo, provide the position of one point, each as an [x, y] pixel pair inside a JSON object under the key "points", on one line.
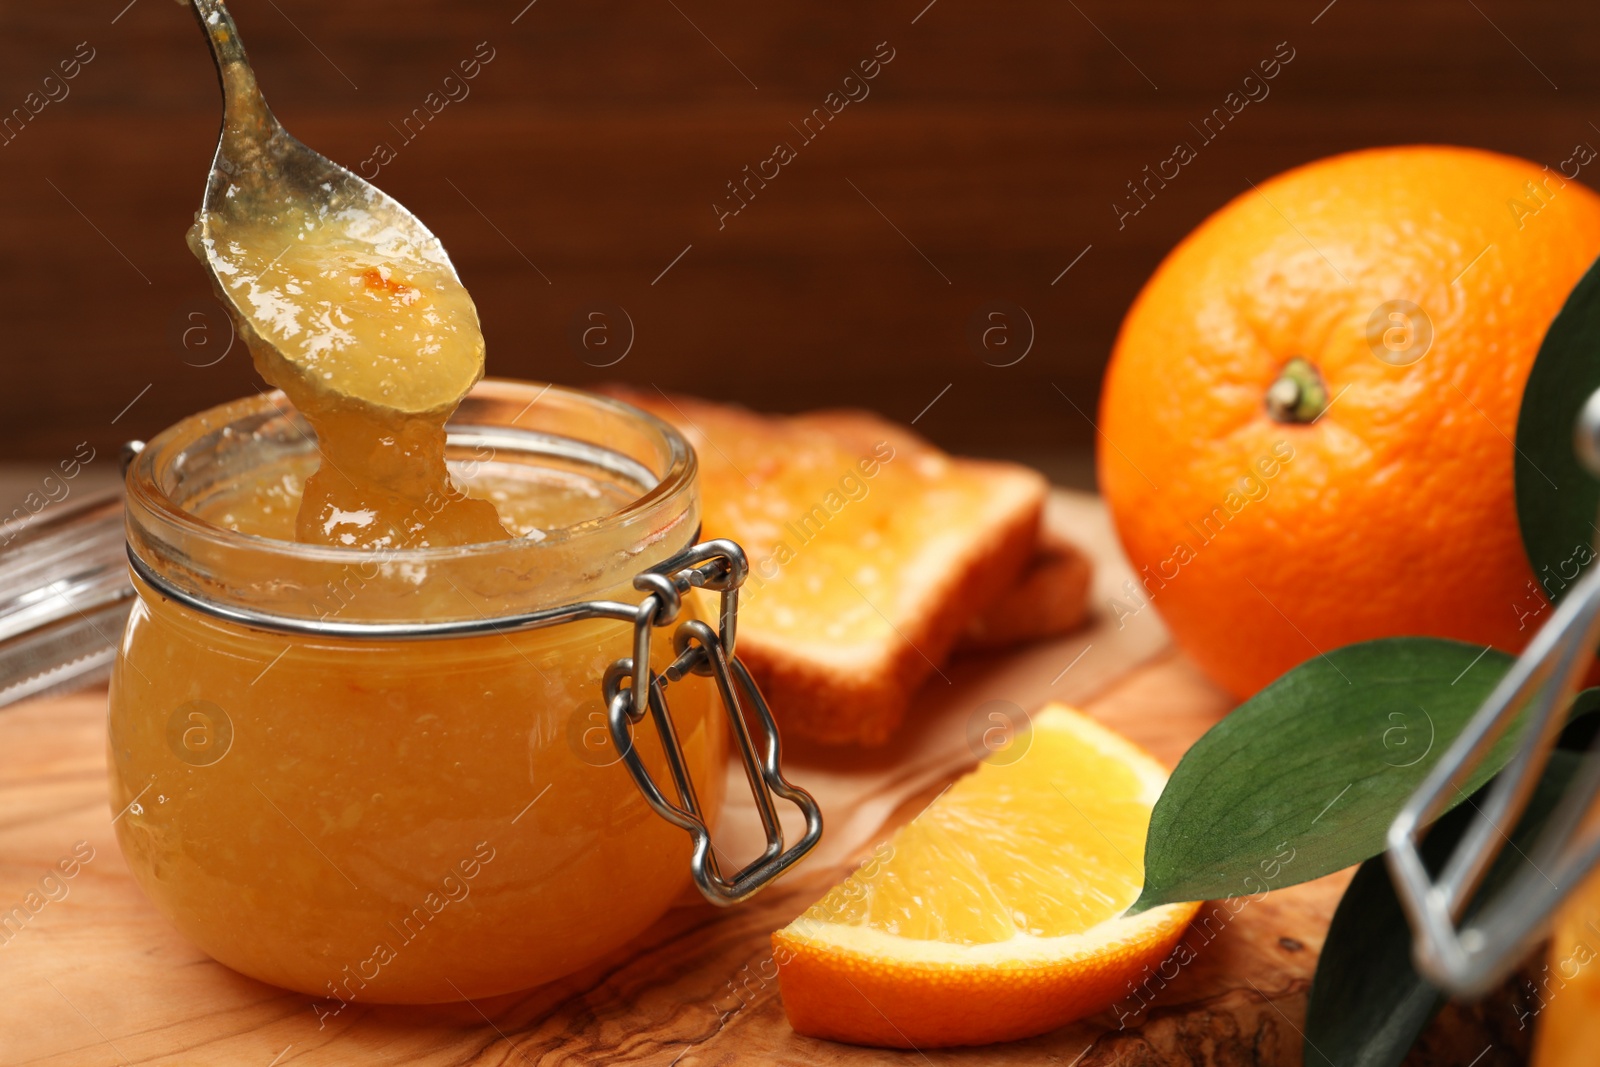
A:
{"points": [[1050, 595], [1049, 599], [870, 552]]}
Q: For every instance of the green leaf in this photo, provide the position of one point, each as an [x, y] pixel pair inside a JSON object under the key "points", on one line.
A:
{"points": [[1557, 499], [1368, 1004], [1304, 778], [1583, 725]]}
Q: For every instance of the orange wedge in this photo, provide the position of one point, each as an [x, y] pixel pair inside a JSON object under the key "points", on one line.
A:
{"points": [[996, 913]]}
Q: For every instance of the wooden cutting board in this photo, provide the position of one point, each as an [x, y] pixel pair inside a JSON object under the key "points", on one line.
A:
{"points": [[97, 977]]}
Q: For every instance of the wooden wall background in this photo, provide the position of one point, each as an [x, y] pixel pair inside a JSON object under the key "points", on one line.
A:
{"points": [[591, 148]]}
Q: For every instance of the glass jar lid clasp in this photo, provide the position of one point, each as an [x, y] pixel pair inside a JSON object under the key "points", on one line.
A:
{"points": [[718, 566]]}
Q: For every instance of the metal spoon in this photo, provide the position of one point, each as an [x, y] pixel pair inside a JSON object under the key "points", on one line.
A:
{"points": [[262, 172]]}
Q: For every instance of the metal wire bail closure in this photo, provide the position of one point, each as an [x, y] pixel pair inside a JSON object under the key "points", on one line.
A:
{"points": [[632, 690], [1471, 959]]}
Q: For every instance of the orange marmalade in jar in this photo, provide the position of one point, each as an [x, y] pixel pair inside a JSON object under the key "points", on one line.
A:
{"points": [[422, 774]]}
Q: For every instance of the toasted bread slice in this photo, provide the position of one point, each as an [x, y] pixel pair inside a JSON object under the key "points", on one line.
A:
{"points": [[1049, 599], [870, 551]]}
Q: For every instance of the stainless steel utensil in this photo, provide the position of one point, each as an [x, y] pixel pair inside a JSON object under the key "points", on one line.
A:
{"points": [[260, 171], [1471, 959], [64, 598]]}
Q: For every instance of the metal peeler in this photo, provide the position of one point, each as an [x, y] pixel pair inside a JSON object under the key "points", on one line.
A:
{"points": [[1469, 958]]}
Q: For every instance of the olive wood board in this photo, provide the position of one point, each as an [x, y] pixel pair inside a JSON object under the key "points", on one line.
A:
{"points": [[97, 977]]}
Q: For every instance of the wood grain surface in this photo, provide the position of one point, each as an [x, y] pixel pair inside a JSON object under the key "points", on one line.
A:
{"points": [[590, 151], [97, 977]]}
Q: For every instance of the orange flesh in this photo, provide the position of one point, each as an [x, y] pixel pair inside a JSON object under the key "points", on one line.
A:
{"points": [[998, 912], [1009, 850]]}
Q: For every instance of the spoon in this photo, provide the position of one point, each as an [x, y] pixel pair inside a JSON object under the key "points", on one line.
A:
{"points": [[342, 294]]}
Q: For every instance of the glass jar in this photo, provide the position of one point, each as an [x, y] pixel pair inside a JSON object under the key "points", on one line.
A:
{"points": [[396, 776]]}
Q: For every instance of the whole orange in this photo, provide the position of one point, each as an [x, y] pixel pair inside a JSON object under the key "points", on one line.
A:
{"points": [[1308, 419]]}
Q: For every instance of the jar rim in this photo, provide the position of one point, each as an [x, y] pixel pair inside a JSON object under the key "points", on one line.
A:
{"points": [[165, 534]]}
